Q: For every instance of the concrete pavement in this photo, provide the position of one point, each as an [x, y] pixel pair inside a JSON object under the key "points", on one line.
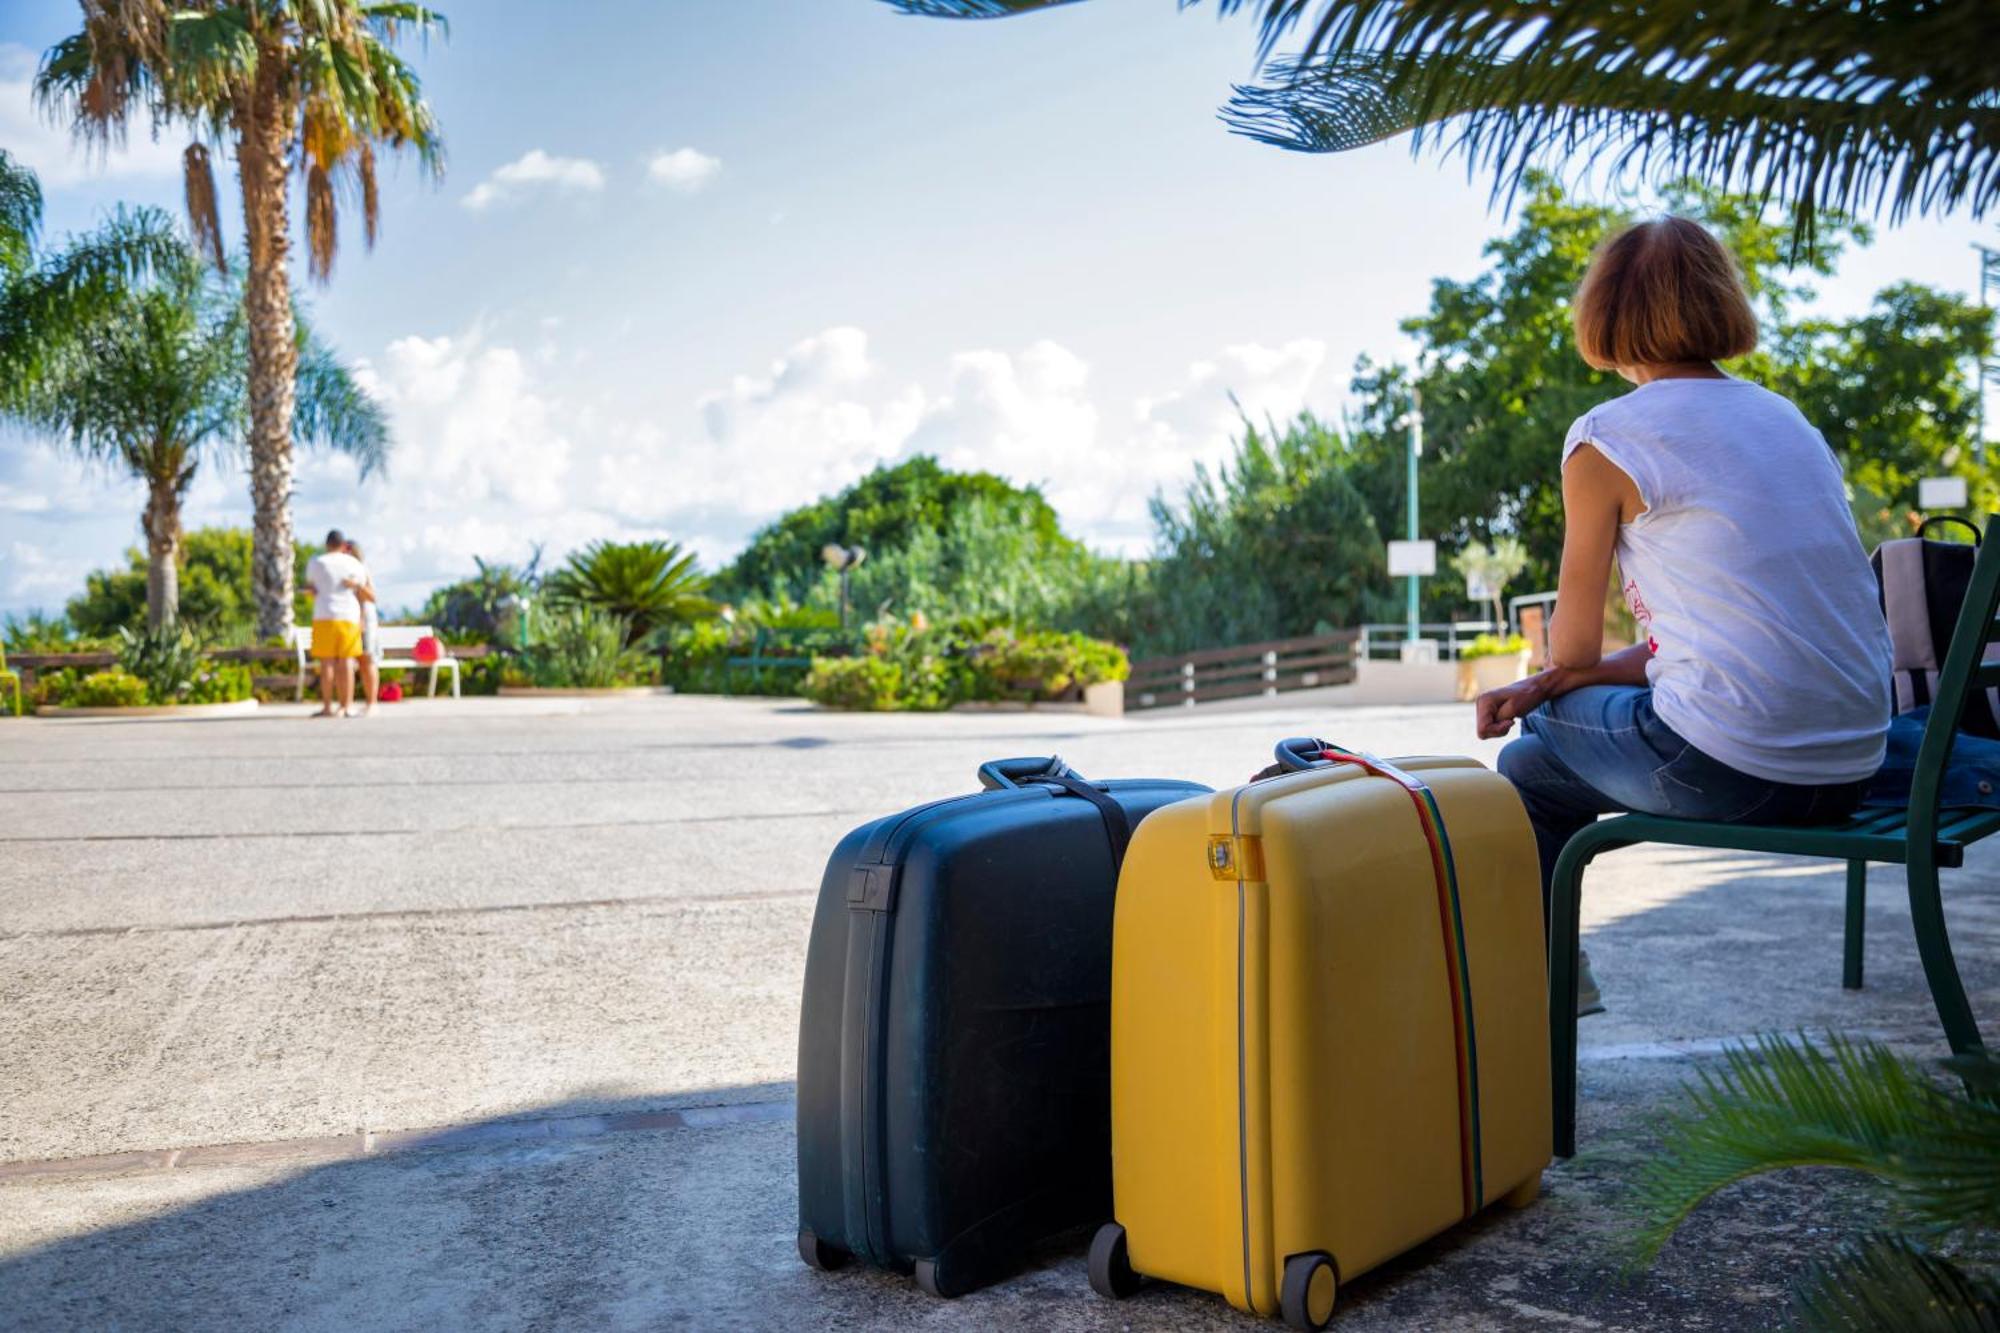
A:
{"points": [[482, 1014]]}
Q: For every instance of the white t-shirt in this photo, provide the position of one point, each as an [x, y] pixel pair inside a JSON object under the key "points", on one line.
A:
{"points": [[1769, 648], [331, 601]]}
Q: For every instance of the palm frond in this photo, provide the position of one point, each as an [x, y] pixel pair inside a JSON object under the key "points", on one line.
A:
{"points": [[1780, 1105], [20, 213], [1821, 105], [1889, 1284], [973, 9], [334, 411], [204, 218]]}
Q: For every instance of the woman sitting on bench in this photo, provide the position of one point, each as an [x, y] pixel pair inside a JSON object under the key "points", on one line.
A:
{"points": [[1761, 692]]}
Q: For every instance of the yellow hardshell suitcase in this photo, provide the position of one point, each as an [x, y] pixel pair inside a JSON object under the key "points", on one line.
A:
{"points": [[1329, 1027]]}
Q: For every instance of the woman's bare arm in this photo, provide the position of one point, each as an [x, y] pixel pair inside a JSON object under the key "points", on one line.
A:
{"points": [[1597, 497]]}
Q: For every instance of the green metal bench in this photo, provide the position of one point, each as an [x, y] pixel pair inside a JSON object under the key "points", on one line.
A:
{"points": [[1922, 837], [757, 663]]}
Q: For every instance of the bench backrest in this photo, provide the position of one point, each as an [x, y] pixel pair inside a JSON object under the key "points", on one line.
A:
{"points": [[1964, 670], [403, 638]]}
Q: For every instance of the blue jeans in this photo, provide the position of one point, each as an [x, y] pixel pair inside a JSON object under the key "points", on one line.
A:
{"points": [[1602, 749]]}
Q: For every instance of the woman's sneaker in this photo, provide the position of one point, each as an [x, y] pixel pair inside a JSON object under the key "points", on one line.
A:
{"points": [[1589, 1000]]}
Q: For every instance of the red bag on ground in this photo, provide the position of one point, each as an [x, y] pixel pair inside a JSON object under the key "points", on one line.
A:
{"points": [[427, 650], [390, 692]]}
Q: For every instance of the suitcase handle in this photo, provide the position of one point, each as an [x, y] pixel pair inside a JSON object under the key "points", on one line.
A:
{"points": [[1296, 754], [1006, 774]]}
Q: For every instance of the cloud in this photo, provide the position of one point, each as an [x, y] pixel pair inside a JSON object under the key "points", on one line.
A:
{"points": [[52, 152], [536, 170], [492, 456], [685, 169]]}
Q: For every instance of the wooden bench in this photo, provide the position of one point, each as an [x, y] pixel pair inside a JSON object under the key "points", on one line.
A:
{"points": [[1921, 837], [396, 643]]}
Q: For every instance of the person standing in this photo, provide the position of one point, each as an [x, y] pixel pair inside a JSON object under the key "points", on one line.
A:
{"points": [[371, 632], [331, 579]]}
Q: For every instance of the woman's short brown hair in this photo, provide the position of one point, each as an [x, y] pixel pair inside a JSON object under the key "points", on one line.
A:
{"points": [[1661, 292]]}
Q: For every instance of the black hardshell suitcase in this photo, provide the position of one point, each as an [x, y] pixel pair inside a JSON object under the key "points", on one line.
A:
{"points": [[955, 1037]]}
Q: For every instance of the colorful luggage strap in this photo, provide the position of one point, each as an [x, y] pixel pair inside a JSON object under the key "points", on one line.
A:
{"points": [[1444, 872]]}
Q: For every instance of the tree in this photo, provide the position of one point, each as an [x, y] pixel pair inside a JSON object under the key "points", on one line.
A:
{"points": [[1278, 542], [282, 85], [650, 587], [1824, 105], [215, 594], [1893, 394], [484, 605], [1501, 379], [1494, 566], [152, 381], [883, 513]]}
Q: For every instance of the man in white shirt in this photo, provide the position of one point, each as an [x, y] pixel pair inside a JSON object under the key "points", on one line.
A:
{"points": [[331, 578]]}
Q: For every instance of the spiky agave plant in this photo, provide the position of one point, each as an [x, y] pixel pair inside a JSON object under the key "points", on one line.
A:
{"points": [[1935, 1144]]}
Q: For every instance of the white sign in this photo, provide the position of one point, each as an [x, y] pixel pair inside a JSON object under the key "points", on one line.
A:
{"points": [[1419, 558], [1480, 588], [1941, 493]]}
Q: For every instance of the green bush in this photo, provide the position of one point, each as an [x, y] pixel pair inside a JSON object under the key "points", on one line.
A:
{"points": [[1492, 645], [583, 648], [218, 683], [1044, 665], [11, 703], [921, 667], [114, 688], [863, 684]]}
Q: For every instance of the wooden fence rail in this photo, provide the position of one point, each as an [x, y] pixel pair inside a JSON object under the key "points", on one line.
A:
{"points": [[1242, 672], [28, 664]]}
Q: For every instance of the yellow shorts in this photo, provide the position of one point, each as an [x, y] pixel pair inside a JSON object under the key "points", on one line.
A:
{"points": [[336, 638]]}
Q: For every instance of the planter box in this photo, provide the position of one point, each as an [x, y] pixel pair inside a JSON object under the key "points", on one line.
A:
{"points": [[564, 692], [235, 709], [1476, 675], [1104, 699]]}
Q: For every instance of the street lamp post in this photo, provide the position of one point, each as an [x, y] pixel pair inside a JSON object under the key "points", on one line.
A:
{"points": [[1987, 373], [1416, 447], [844, 559]]}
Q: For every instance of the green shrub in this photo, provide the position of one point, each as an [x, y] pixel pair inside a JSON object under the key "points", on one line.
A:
{"points": [[1492, 645], [11, 703], [167, 659], [865, 684], [114, 688], [580, 647], [1044, 665], [218, 683]]}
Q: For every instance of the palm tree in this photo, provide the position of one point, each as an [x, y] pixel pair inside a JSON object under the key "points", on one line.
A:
{"points": [[284, 85], [1822, 105], [40, 295], [651, 586], [149, 376]]}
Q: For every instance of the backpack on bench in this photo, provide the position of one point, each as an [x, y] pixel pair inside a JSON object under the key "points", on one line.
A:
{"points": [[1923, 585]]}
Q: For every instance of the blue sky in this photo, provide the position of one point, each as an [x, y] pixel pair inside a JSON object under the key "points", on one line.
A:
{"points": [[692, 264]]}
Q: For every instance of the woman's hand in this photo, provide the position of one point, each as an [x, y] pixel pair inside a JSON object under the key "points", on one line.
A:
{"points": [[1498, 709]]}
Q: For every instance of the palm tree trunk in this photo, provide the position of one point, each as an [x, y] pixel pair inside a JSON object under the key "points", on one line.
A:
{"points": [[162, 525], [263, 159]]}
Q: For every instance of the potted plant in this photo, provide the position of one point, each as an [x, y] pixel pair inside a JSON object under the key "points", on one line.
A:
{"points": [[1489, 662]]}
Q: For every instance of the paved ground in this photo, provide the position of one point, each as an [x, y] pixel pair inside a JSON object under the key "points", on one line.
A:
{"points": [[482, 1015]]}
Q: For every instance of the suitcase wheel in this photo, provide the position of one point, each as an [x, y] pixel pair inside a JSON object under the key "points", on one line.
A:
{"points": [[933, 1283], [1111, 1274], [1306, 1297], [820, 1254]]}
